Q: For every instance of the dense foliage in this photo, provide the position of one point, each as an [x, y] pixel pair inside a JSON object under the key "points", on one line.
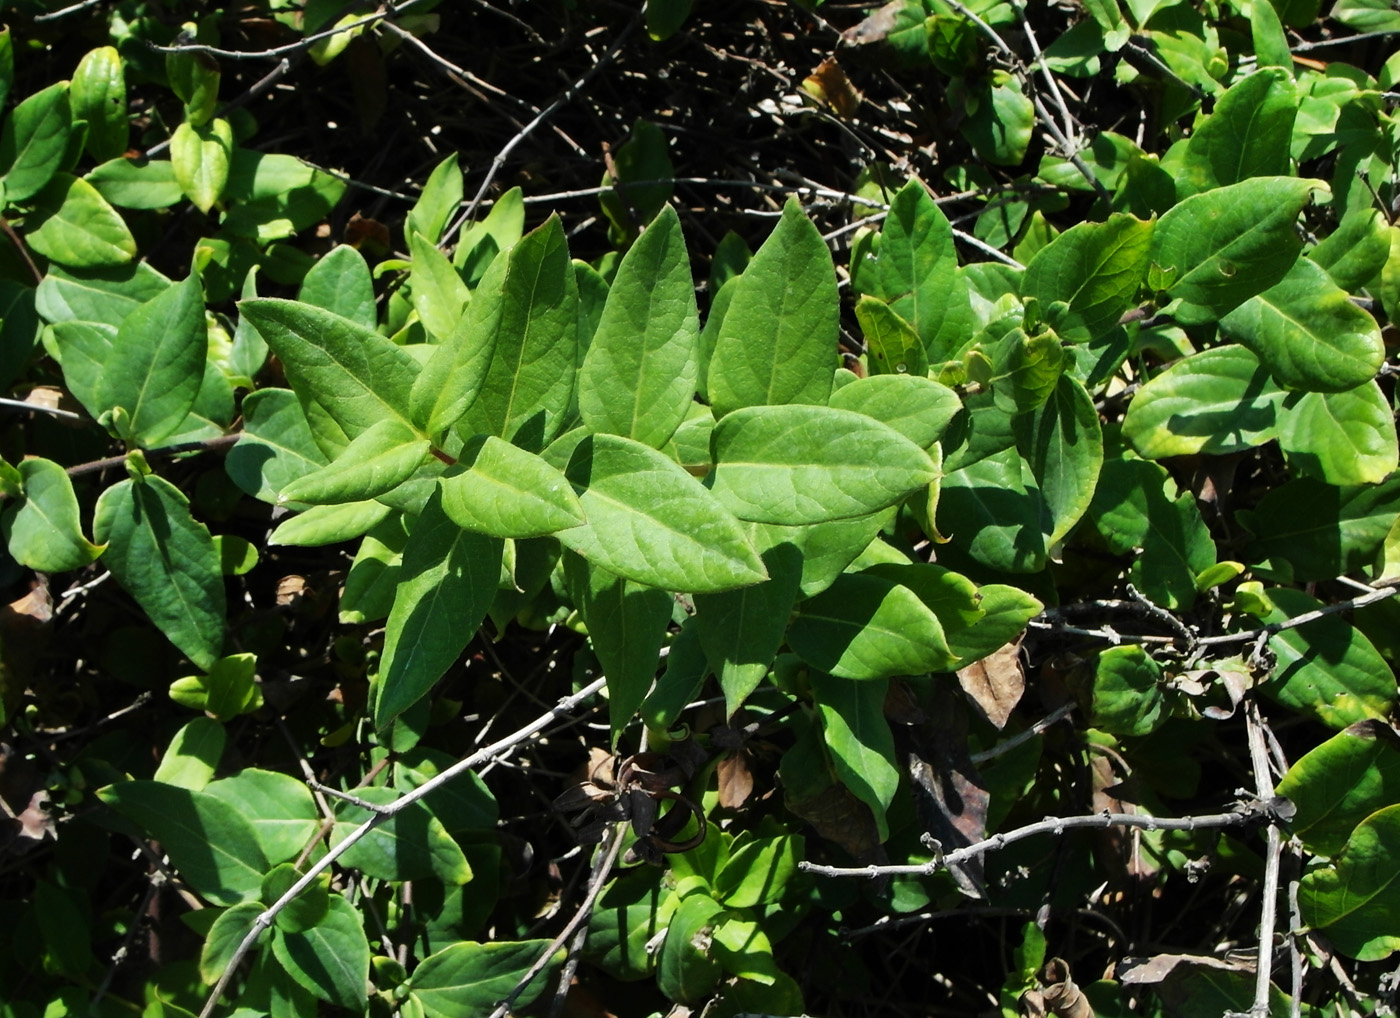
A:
{"points": [[917, 538]]}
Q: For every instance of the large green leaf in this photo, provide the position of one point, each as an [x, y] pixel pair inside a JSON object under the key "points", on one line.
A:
{"points": [[1340, 437], [1218, 401], [209, 842], [650, 521], [860, 741], [44, 531], [98, 96], [276, 446], [827, 548], [994, 513], [34, 142], [1247, 135], [105, 295], [777, 343], [1096, 269], [200, 157], [136, 183], [868, 627], [1326, 668], [1063, 444], [73, 225], [1318, 531], [920, 409], [329, 524], [626, 624], [357, 376], [686, 971], [638, 378], [1308, 333], [1228, 244], [278, 806], [448, 581], [166, 561], [531, 326], [1355, 902], [193, 754], [378, 460], [1123, 694], [332, 958], [796, 464], [1341, 783], [741, 630], [411, 845], [156, 366], [508, 492], [471, 978], [341, 283]]}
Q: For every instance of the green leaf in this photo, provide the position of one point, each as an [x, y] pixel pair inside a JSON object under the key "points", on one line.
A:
{"points": [[1367, 15], [193, 755], [74, 225], [98, 96], [1308, 334], [1000, 121], [920, 409], [357, 375], [464, 804], [447, 584], [478, 244], [868, 627], [860, 741], [85, 348], [378, 460], [892, 345], [439, 199], [777, 343], [278, 806], [1005, 612], [1270, 42], [643, 183], [209, 842], [1356, 250], [526, 322], [329, 524], [227, 933], [1217, 402], [686, 972], [639, 374], [1340, 437], [665, 17], [373, 578], [271, 196], [307, 909], [332, 958], [626, 624], [1340, 783], [34, 141], [411, 845], [990, 505], [438, 293], [757, 871], [1124, 694], [1326, 668], [827, 548], [471, 978], [1095, 268], [156, 366], [276, 446], [44, 531], [1229, 244], [650, 521], [505, 491], [811, 464], [340, 282], [741, 630], [1063, 444], [166, 561], [1356, 901], [136, 183], [105, 295], [1248, 134], [1318, 530]]}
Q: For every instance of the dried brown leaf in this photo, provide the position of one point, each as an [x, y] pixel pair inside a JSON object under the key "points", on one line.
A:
{"points": [[829, 85], [876, 27], [995, 685], [840, 817], [1149, 971], [735, 780]]}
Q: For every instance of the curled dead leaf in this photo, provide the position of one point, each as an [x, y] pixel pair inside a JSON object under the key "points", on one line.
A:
{"points": [[995, 684]]}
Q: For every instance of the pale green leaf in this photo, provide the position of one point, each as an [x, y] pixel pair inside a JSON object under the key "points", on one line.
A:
{"points": [[276, 446], [329, 524], [505, 491], [1340, 437], [278, 806], [193, 755], [200, 158], [74, 225], [98, 96], [920, 409], [1247, 135], [44, 530], [376, 461], [136, 183], [340, 282], [1340, 783]]}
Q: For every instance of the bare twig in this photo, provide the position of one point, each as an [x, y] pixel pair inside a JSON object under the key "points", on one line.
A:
{"points": [[1045, 72], [1050, 825], [1264, 789], [39, 19], [1378, 594], [21, 405], [1061, 712], [300, 46], [265, 919]]}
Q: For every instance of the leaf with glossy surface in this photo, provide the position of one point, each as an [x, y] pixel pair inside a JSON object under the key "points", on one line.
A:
{"points": [[1356, 901], [376, 461], [868, 627], [34, 142], [1340, 437], [1247, 135], [1319, 530], [1217, 402], [1307, 332], [505, 491], [650, 521], [73, 225], [793, 465], [991, 506], [860, 740], [98, 96], [156, 366], [44, 531], [916, 271], [278, 806], [166, 561], [1095, 268], [1341, 783], [446, 586], [1063, 444], [209, 842], [471, 978], [200, 158], [920, 409], [411, 845], [1356, 250], [777, 343], [276, 446], [340, 282], [639, 375], [1229, 244], [332, 958]]}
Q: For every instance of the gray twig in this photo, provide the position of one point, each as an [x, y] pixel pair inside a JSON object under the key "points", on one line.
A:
{"points": [[1378, 594]]}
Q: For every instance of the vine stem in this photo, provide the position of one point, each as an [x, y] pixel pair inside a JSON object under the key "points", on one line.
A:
{"points": [[1050, 825], [380, 815], [1264, 788]]}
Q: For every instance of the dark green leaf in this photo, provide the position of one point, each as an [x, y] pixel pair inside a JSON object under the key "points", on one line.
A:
{"points": [[376, 461], [1355, 902], [44, 531], [860, 740], [1247, 135], [411, 845], [33, 142], [1063, 444], [332, 958], [1095, 268], [471, 978], [1341, 783]]}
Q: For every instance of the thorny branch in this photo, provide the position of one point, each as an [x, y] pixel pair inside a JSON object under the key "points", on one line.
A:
{"points": [[379, 816]]}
